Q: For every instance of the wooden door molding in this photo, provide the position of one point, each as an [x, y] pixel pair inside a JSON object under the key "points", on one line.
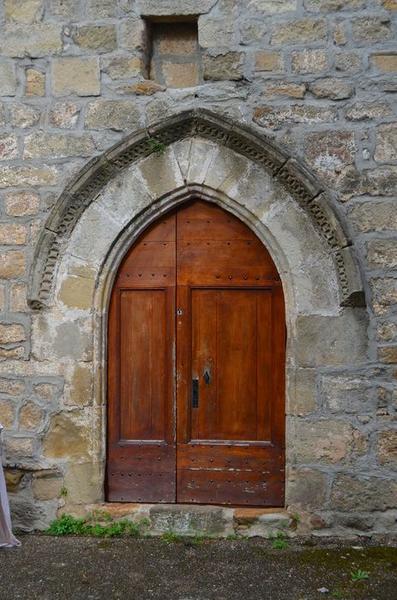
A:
{"points": [[230, 448]]}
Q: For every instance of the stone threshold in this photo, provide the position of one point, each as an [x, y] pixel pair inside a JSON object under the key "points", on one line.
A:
{"points": [[199, 520]]}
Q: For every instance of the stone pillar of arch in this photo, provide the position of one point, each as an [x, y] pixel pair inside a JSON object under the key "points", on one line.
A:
{"points": [[113, 200]]}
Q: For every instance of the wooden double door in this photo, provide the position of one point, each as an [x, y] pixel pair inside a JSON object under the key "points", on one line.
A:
{"points": [[196, 360]]}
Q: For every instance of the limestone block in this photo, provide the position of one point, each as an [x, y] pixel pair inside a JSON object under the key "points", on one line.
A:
{"points": [[325, 340], [207, 520], [384, 294], [31, 417], [12, 333], [216, 32], [43, 145], [15, 176], [225, 169], [98, 38], [94, 235], [120, 115], [143, 88], [21, 204], [307, 488], [35, 40], [284, 88], [20, 449], [351, 493], [180, 75], [333, 5], [269, 61], [202, 153], [7, 412], [387, 63], [8, 147], [344, 394], [266, 525], [174, 7], [14, 234], [329, 151], [299, 31], [223, 67], [83, 483], [371, 29], [362, 111], [123, 67], [35, 82], [386, 143], [12, 264], [11, 387], [309, 61], [125, 196], [273, 7], [14, 479], [46, 391], [64, 115], [374, 216], [348, 62], [67, 437], [77, 288], [332, 88], [161, 173], [276, 117], [387, 354], [24, 116], [8, 80], [47, 484], [64, 8], [79, 392], [323, 441], [301, 396], [132, 33], [382, 253], [100, 9], [18, 298], [76, 75], [387, 448], [23, 11]]}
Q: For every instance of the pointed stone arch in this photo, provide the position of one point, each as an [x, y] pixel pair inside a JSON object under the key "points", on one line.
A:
{"points": [[199, 123]]}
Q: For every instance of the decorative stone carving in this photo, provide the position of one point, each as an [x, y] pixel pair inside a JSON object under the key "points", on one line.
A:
{"points": [[241, 139]]}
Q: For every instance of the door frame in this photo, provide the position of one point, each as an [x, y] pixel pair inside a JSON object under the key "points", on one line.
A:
{"points": [[120, 250]]}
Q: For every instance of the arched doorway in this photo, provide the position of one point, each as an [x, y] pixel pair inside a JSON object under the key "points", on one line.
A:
{"points": [[196, 364]]}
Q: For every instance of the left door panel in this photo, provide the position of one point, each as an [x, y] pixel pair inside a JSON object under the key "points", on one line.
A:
{"points": [[141, 420]]}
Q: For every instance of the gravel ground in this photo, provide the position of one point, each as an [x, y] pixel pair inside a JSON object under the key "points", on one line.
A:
{"points": [[95, 569]]}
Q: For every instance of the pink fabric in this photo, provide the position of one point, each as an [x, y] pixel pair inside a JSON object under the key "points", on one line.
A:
{"points": [[7, 539]]}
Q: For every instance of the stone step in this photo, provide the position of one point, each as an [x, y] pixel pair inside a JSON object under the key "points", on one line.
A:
{"points": [[196, 520]]}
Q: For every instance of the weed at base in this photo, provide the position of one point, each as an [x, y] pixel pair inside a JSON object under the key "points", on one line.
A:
{"points": [[90, 526]]}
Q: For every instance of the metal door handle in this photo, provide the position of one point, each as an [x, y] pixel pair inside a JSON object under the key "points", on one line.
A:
{"points": [[195, 392]]}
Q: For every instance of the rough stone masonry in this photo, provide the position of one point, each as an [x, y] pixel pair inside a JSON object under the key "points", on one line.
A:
{"points": [[318, 78]]}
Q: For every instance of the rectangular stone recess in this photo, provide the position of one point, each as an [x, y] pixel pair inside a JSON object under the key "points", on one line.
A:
{"points": [[175, 59]]}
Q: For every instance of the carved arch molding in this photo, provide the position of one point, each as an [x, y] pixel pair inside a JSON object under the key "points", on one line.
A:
{"points": [[301, 184]]}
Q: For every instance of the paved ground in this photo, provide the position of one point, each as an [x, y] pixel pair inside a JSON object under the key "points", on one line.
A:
{"points": [[47, 568]]}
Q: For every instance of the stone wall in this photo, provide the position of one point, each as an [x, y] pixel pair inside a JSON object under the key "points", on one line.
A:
{"points": [[315, 76]]}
